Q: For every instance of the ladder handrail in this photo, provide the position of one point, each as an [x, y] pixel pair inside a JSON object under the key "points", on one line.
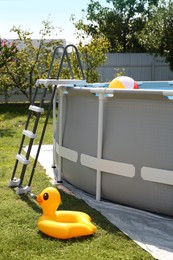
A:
{"points": [[65, 54], [18, 182], [53, 58]]}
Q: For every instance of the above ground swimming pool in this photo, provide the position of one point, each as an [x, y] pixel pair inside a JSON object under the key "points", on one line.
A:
{"points": [[117, 144]]}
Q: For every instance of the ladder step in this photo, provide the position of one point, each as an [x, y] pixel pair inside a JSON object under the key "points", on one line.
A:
{"points": [[14, 183], [23, 190], [36, 109], [29, 133], [22, 159]]}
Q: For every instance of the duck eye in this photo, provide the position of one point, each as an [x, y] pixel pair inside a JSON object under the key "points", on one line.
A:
{"points": [[45, 196]]}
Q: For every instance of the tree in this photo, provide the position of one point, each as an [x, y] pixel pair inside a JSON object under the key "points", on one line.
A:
{"points": [[157, 35], [93, 55], [120, 23], [29, 63], [25, 65], [8, 52]]}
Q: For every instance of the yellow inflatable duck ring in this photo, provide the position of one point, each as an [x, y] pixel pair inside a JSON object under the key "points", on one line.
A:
{"points": [[62, 224]]}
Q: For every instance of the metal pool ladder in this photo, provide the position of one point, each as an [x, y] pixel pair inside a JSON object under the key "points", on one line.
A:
{"points": [[38, 110]]}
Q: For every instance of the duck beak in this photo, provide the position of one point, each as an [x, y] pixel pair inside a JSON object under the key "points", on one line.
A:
{"points": [[39, 199]]}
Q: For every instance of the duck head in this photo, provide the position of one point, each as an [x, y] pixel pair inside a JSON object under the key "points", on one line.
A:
{"points": [[49, 200]]}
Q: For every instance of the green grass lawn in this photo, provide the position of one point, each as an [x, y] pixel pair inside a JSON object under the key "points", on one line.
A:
{"points": [[19, 235]]}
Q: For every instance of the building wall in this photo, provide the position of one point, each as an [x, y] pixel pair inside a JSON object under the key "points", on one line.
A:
{"points": [[17, 96], [140, 66]]}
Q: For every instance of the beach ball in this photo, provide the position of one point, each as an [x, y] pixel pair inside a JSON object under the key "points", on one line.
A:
{"points": [[123, 82]]}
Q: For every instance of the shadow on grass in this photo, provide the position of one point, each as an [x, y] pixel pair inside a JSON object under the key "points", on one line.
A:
{"points": [[31, 202], [18, 109], [70, 202], [65, 241], [7, 132], [12, 109]]}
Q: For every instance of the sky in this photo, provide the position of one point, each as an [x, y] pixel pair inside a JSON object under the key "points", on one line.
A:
{"points": [[29, 14]]}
